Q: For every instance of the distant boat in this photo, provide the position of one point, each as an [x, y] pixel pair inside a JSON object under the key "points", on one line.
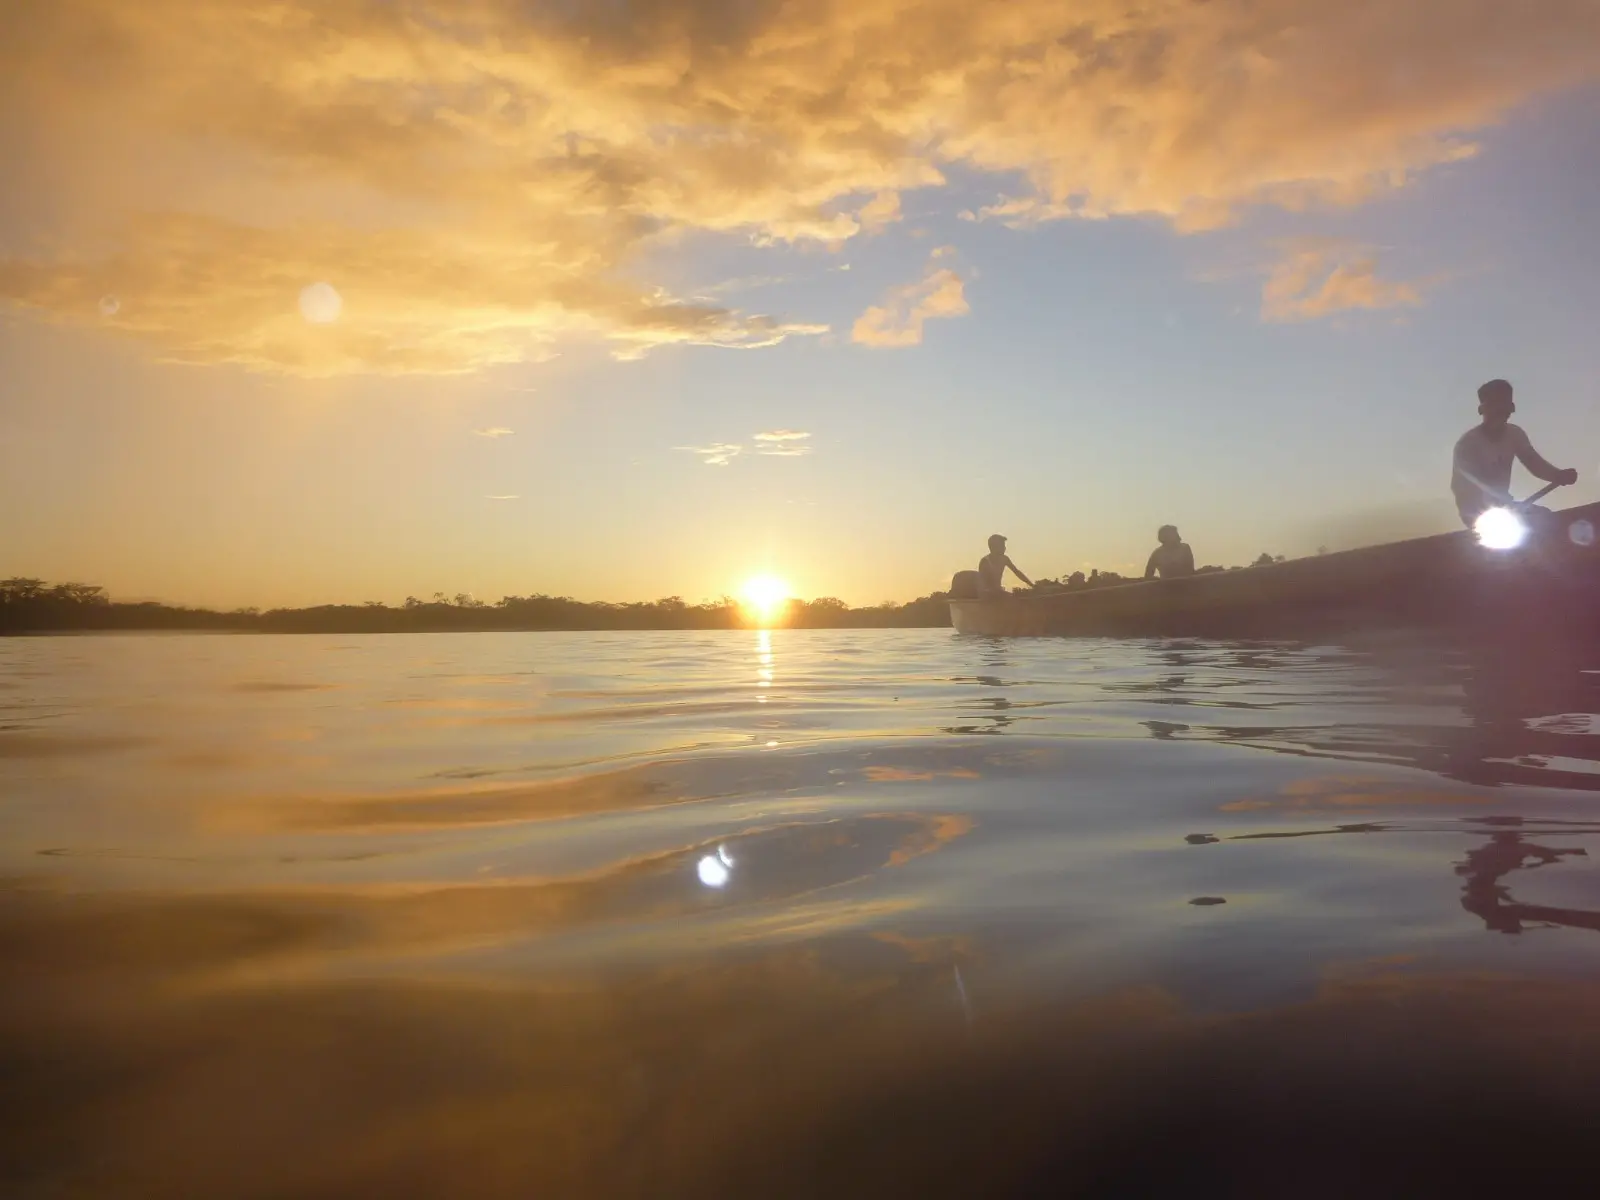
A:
{"points": [[1550, 583]]}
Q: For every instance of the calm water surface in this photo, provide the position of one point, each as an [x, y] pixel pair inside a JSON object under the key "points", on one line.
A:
{"points": [[793, 913]]}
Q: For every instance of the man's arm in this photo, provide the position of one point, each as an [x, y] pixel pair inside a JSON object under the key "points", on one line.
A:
{"points": [[1150, 564], [1018, 573], [1538, 467]]}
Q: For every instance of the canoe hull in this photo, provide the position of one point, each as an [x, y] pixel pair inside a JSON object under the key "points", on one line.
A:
{"points": [[1439, 582]]}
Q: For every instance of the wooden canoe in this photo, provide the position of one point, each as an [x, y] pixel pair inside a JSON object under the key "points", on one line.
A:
{"points": [[1549, 584]]}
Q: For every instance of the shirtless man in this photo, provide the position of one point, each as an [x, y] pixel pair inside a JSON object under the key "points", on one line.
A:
{"points": [[1481, 474], [992, 568], [1172, 557]]}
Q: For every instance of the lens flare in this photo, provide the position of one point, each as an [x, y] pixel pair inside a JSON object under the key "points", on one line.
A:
{"points": [[1500, 529], [320, 303]]}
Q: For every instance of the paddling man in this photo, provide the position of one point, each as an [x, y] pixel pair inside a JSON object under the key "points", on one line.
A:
{"points": [[1171, 558], [992, 569], [1481, 476]]}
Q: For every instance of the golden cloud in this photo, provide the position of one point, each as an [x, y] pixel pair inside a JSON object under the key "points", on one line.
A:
{"points": [[476, 178], [882, 210], [899, 319], [1320, 276]]}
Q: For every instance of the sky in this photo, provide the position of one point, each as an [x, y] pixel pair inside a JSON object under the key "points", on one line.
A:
{"points": [[359, 299]]}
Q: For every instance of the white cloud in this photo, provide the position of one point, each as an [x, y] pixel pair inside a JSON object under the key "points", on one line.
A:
{"points": [[497, 431], [502, 497], [718, 454], [783, 443]]}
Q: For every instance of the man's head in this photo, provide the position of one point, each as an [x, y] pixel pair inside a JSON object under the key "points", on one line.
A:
{"points": [[1167, 535], [997, 543], [1495, 404]]}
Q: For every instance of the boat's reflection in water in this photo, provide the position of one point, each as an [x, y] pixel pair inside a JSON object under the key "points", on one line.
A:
{"points": [[1485, 716], [1501, 715]]}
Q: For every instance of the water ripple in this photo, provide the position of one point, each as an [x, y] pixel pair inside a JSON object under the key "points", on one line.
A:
{"points": [[587, 884]]}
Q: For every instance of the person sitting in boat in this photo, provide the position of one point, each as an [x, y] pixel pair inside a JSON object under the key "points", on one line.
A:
{"points": [[1171, 558], [1480, 475], [992, 568]]}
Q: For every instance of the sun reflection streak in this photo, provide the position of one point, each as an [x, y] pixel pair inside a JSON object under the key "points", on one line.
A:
{"points": [[763, 659]]}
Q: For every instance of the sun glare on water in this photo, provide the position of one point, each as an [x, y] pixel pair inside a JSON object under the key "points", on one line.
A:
{"points": [[764, 597]]}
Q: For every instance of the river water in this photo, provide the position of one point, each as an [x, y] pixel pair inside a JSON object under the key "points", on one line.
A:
{"points": [[794, 913]]}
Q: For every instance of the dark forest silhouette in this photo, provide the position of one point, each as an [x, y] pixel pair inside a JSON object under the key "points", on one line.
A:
{"points": [[33, 606]]}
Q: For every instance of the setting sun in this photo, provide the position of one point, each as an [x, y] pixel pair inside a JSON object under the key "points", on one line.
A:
{"points": [[764, 597]]}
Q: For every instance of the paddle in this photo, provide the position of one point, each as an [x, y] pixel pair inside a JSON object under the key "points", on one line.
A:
{"points": [[1541, 493]]}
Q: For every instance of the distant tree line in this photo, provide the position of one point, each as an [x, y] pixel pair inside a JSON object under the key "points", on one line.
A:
{"points": [[34, 606]]}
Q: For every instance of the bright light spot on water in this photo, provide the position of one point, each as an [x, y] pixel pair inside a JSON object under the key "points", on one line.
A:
{"points": [[712, 872], [320, 303], [109, 306], [714, 869], [1581, 532], [1500, 529]]}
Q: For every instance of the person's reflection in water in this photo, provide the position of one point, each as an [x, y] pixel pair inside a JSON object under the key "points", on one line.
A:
{"points": [[1484, 896], [996, 658]]}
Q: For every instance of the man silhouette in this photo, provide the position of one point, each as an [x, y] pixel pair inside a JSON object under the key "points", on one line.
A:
{"points": [[1481, 473], [1172, 557], [992, 568]]}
